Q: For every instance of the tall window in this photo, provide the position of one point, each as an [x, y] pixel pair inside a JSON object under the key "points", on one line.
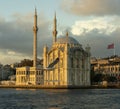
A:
{"points": [[83, 62], [72, 62], [77, 63]]}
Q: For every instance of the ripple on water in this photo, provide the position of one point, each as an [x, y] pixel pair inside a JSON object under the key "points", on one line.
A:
{"points": [[60, 99]]}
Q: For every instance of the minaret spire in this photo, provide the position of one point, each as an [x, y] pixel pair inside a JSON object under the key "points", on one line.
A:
{"points": [[35, 11], [35, 29], [55, 29]]}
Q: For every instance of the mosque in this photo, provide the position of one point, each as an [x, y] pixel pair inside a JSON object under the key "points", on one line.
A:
{"points": [[66, 63]]}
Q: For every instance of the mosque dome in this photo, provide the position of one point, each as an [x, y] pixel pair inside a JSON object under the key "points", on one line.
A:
{"points": [[70, 40]]}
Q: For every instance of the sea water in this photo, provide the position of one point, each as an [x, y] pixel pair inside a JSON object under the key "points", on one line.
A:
{"points": [[59, 99]]}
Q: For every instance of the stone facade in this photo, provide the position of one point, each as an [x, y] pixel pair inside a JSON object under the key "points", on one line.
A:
{"points": [[108, 66], [29, 76], [73, 67], [65, 63]]}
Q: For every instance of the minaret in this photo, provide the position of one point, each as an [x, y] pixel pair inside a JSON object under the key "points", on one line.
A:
{"points": [[55, 29], [67, 36], [35, 29]]}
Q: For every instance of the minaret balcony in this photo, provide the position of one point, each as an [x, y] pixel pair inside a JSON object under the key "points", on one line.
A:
{"points": [[35, 28]]}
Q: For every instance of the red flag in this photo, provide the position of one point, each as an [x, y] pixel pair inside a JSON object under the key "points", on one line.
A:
{"points": [[111, 46]]}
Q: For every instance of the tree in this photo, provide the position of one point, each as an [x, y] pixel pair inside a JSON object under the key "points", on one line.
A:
{"points": [[26, 62], [98, 78], [112, 79]]}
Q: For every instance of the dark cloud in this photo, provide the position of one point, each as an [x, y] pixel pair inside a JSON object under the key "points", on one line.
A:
{"points": [[17, 34], [91, 7]]}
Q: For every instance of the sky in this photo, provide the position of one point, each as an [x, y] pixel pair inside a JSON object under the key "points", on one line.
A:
{"points": [[93, 22]]}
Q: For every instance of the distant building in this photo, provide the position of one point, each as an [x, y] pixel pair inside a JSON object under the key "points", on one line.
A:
{"points": [[6, 71], [109, 66]]}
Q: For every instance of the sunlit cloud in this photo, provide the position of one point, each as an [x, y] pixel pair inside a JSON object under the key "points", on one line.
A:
{"points": [[91, 7], [106, 25], [11, 53]]}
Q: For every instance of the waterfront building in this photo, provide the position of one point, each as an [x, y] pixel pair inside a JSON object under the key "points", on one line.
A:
{"points": [[108, 66], [31, 75], [72, 62], [66, 63]]}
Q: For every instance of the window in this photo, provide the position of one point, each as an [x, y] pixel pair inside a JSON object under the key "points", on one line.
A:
{"points": [[37, 72], [83, 63], [72, 62], [77, 63]]}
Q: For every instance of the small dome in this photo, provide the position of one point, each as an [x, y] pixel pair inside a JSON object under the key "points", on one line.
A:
{"points": [[68, 39]]}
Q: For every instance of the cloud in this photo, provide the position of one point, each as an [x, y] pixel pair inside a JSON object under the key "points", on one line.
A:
{"points": [[106, 25], [100, 25], [91, 7], [16, 36], [98, 32]]}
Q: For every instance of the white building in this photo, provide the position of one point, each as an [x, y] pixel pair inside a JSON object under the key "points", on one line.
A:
{"points": [[29, 75], [73, 66]]}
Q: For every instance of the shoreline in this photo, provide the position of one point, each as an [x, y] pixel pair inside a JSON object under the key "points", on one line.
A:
{"points": [[60, 87]]}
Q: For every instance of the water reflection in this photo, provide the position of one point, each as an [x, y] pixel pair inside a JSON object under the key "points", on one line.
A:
{"points": [[25, 89], [59, 99], [56, 90]]}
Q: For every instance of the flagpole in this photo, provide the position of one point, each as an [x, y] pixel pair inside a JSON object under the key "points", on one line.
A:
{"points": [[114, 49]]}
